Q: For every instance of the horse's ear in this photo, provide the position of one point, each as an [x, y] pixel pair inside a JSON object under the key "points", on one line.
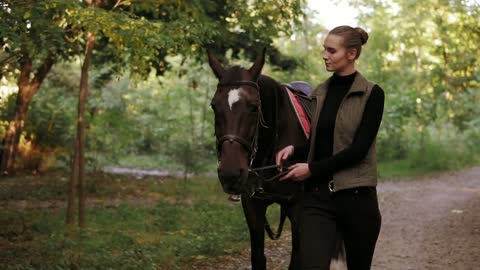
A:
{"points": [[216, 66], [256, 69]]}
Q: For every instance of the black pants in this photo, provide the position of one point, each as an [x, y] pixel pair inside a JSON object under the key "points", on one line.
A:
{"points": [[354, 212]]}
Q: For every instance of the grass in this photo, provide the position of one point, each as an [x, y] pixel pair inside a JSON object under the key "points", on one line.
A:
{"points": [[162, 224], [399, 168], [434, 148], [434, 158], [149, 162]]}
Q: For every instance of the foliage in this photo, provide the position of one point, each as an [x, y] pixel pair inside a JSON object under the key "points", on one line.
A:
{"points": [[33, 30], [305, 45], [166, 121], [134, 38], [430, 48], [168, 116], [425, 56], [244, 27], [440, 146]]}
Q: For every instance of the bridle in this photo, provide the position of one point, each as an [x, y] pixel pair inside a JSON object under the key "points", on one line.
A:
{"points": [[252, 146]]}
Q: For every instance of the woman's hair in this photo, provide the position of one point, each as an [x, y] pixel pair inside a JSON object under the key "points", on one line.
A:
{"points": [[352, 37]]}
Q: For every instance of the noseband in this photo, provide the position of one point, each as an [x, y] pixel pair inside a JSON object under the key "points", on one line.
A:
{"points": [[250, 146]]}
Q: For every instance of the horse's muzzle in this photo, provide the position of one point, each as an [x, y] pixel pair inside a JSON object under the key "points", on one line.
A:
{"points": [[232, 180]]}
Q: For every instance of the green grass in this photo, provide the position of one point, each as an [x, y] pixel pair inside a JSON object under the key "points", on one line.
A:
{"points": [[433, 158], [181, 220], [399, 168], [149, 162]]}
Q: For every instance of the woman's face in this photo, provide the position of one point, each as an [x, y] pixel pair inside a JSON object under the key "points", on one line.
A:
{"points": [[337, 57]]}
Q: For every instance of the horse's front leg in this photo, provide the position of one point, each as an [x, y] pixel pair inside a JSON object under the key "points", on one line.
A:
{"points": [[254, 211], [294, 208]]}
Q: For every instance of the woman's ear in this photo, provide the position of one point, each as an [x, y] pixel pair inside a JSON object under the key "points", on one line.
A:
{"points": [[352, 54]]}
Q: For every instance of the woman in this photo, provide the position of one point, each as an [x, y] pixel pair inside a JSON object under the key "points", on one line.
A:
{"points": [[340, 173]]}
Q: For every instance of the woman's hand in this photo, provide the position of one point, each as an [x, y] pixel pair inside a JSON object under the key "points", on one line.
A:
{"points": [[283, 155], [297, 172]]}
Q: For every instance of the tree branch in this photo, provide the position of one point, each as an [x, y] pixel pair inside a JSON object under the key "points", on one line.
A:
{"points": [[118, 3]]}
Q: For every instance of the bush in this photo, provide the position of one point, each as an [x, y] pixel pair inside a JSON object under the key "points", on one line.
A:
{"points": [[436, 147]]}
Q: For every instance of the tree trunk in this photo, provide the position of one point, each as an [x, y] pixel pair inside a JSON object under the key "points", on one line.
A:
{"points": [[72, 192], [78, 165], [12, 138], [26, 90]]}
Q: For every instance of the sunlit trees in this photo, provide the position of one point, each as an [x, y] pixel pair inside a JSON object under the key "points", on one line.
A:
{"points": [[426, 55], [130, 36], [32, 40], [118, 36]]}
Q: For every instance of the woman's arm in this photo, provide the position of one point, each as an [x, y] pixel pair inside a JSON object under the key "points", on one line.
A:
{"points": [[363, 139]]}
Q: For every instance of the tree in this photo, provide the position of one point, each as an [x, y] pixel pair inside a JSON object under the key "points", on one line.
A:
{"points": [[32, 40], [133, 36], [431, 48], [427, 53], [136, 37], [172, 26]]}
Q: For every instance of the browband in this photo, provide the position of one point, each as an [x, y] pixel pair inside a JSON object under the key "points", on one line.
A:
{"points": [[250, 83]]}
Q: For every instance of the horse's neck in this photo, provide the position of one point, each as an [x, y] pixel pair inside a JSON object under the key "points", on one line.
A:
{"points": [[267, 137], [282, 126]]}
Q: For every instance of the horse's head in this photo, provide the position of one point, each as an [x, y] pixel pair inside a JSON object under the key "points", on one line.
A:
{"points": [[236, 105]]}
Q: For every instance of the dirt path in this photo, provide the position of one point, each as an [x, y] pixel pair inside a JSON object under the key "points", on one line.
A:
{"points": [[428, 223]]}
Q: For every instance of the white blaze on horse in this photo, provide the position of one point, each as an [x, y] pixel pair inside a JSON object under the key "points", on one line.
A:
{"points": [[233, 96]]}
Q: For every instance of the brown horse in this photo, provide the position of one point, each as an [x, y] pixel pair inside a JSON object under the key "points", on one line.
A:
{"points": [[254, 118]]}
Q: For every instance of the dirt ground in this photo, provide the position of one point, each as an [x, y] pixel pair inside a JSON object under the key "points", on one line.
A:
{"points": [[427, 223]]}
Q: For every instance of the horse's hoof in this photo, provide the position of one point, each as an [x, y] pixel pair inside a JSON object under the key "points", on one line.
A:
{"points": [[234, 198]]}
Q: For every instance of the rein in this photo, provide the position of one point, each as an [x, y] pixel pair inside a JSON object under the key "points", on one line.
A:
{"points": [[275, 177]]}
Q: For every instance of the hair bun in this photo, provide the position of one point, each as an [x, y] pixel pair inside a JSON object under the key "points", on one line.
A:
{"points": [[363, 34]]}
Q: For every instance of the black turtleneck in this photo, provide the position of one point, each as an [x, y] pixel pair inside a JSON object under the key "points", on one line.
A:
{"points": [[325, 163]]}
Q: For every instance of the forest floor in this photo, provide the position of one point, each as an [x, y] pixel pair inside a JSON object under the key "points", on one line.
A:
{"points": [[430, 222]]}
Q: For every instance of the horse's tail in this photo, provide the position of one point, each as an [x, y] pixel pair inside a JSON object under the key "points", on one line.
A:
{"points": [[339, 251], [268, 229]]}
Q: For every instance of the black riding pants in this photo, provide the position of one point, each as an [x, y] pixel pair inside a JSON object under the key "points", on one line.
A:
{"points": [[353, 212]]}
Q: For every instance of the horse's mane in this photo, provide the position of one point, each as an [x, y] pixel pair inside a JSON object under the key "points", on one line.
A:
{"points": [[269, 95]]}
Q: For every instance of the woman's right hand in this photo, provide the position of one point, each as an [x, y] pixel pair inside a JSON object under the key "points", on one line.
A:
{"points": [[283, 155]]}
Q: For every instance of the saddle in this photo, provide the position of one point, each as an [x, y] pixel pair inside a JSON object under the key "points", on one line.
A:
{"points": [[299, 94]]}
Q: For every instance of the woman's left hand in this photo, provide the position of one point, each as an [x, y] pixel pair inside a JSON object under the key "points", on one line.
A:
{"points": [[297, 172]]}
